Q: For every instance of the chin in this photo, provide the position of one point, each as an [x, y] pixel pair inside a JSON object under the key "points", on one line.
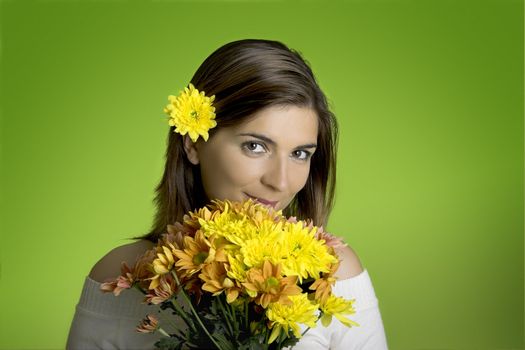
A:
{"points": [[281, 207]]}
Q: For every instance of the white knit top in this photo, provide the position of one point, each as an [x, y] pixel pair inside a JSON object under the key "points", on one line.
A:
{"points": [[103, 321]]}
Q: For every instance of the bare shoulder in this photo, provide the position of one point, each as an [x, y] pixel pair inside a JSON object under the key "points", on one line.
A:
{"points": [[350, 264], [109, 265]]}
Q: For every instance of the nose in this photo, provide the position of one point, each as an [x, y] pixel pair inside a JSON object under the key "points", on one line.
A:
{"points": [[275, 175]]}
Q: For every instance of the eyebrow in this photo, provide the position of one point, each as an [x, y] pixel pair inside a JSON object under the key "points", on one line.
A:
{"points": [[272, 142]]}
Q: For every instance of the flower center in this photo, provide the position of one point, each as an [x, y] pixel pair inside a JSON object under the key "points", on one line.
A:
{"points": [[199, 258], [194, 114], [272, 282]]}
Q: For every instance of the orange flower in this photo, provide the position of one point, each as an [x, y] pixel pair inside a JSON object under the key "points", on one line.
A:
{"points": [[148, 325], [130, 276], [167, 286], [330, 240], [163, 264], [196, 253], [165, 260], [117, 285], [216, 281], [323, 285], [175, 235], [269, 286], [191, 220]]}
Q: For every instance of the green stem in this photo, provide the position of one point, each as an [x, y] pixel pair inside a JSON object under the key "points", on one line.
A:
{"points": [[136, 285], [226, 315], [235, 323], [246, 316], [231, 312], [163, 332], [174, 326], [194, 311], [177, 333], [306, 330], [279, 341], [183, 315]]}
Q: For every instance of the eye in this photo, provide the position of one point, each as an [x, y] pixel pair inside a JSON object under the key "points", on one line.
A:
{"points": [[253, 147], [301, 154]]}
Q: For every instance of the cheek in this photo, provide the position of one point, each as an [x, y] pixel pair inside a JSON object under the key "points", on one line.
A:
{"points": [[299, 177], [239, 171], [224, 174]]}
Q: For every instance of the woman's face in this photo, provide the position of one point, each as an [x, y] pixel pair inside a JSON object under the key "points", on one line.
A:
{"points": [[266, 157]]}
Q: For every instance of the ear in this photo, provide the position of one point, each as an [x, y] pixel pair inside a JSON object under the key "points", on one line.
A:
{"points": [[190, 149]]}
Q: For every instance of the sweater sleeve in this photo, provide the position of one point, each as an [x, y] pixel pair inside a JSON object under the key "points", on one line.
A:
{"points": [[369, 335]]}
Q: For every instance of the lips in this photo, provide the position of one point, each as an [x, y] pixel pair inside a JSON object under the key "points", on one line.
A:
{"points": [[263, 201]]}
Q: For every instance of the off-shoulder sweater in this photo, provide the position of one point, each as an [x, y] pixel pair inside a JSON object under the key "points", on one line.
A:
{"points": [[103, 321]]}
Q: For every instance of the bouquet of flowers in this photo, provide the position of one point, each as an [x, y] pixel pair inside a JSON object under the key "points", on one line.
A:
{"points": [[239, 276]]}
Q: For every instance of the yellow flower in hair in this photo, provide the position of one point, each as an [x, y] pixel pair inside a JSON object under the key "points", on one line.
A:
{"points": [[191, 113]]}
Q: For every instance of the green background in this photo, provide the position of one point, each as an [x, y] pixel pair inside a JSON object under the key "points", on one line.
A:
{"points": [[429, 95]]}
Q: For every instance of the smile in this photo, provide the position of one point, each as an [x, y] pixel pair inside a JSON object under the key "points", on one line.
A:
{"points": [[263, 201]]}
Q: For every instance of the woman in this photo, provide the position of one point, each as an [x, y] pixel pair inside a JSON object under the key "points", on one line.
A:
{"points": [[274, 141]]}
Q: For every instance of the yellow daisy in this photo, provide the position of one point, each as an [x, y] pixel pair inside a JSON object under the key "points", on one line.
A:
{"points": [[191, 112]]}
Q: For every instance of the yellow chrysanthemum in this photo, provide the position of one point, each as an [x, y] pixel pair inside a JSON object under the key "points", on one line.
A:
{"points": [[237, 270], [191, 112], [267, 245], [250, 208], [250, 228], [307, 256], [233, 227], [336, 306], [285, 317]]}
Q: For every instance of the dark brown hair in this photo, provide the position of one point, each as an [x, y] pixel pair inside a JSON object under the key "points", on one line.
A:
{"points": [[246, 76]]}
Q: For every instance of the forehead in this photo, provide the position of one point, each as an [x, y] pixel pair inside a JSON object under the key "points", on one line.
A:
{"points": [[291, 123]]}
